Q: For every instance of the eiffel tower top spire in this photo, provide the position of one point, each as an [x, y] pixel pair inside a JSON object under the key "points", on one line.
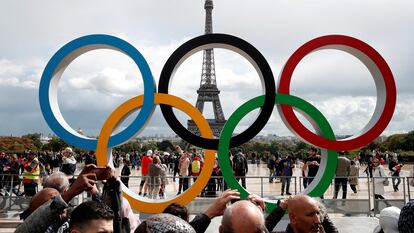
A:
{"points": [[208, 75], [208, 5], [208, 91]]}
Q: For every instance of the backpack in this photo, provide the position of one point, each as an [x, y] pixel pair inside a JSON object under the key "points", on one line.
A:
{"points": [[239, 163], [195, 166]]}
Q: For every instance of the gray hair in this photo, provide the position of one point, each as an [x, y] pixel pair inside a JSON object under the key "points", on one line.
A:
{"points": [[58, 181]]}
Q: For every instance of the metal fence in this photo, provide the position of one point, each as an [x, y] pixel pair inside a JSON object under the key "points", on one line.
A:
{"points": [[13, 199]]}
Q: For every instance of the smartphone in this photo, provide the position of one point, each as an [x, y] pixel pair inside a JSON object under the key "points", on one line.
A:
{"points": [[102, 173]]}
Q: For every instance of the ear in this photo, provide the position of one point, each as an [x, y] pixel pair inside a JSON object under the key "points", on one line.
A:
{"points": [[292, 218]]}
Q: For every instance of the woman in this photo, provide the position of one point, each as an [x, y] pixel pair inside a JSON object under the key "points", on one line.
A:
{"points": [[378, 172], [125, 172], [154, 179], [353, 176]]}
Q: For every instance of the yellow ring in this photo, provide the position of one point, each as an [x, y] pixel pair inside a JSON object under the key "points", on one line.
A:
{"points": [[103, 154]]}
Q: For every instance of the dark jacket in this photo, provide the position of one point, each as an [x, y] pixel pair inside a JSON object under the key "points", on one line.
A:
{"points": [[277, 214]]}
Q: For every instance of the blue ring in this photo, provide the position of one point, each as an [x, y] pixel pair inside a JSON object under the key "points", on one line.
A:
{"points": [[102, 41]]}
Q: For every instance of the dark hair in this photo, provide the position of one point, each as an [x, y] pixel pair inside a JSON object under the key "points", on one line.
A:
{"points": [[88, 211], [314, 149], [177, 210]]}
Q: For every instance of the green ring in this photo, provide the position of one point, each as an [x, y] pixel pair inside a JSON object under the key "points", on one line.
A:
{"points": [[326, 170]]}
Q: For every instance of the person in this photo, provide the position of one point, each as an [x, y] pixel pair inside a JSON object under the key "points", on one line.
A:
{"points": [[343, 167], [378, 172], [240, 167], [31, 174], [12, 175], [164, 223], [201, 221], [184, 164], [312, 163], [90, 158], [58, 181], [125, 172], [164, 180], [177, 210], [353, 176], [406, 219], [196, 166], [395, 169], [388, 220], [286, 168], [146, 161], [68, 162], [91, 217], [271, 165], [176, 166], [38, 200], [276, 215], [243, 216], [304, 215], [50, 213], [305, 174], [154, 178]]}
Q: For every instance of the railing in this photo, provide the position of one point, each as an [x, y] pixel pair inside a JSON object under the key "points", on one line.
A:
{"points": [[13, 199]]}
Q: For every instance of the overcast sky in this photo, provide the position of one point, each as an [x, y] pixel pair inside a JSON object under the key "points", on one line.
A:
{"points": [[338, 84]]}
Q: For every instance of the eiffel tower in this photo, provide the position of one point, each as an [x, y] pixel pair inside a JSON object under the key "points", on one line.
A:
{"points": [[208, 91]]}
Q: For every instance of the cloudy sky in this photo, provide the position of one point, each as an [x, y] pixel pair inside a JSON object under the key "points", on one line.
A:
{"points": [[338, 84]]}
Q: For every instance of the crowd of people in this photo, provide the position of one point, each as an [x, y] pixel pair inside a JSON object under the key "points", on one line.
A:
{"points": [[52, 209]]}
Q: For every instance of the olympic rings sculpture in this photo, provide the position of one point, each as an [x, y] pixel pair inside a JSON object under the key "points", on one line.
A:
{"points": [[324, 139]]}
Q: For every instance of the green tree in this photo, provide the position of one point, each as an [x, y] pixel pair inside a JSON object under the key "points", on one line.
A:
{"points": [[55, 144], [165, 145], [35, 137]]}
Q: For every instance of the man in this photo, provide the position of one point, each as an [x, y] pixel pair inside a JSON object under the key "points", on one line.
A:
{"points": [[395, 169], [240, 167], [286, 171], [271, 165], [242, 217], [38, 200], [343, 168], [183, 165], [146, 161], [31, 174], [304, 215], [49, 214], [312, 163], [58, 181], [283, 205], [91, 217]]}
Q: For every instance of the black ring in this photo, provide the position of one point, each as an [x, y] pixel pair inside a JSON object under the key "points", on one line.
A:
{"points": [[237, 45]]}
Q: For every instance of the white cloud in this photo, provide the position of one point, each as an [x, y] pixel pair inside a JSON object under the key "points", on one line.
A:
{"points": [[99, 81]]}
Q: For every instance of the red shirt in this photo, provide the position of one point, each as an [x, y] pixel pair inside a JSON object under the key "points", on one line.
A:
{"points": [[146, 161]]}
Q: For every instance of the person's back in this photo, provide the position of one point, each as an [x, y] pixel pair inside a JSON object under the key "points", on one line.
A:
{"points": [[343, 166], [239, 164], [146, 161]]}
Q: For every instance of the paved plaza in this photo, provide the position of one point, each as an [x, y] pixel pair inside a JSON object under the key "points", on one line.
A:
{"points": [[356, 210]]}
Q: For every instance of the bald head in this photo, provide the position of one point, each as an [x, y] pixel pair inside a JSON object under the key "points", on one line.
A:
{"points": [[244, 217], [42, 197], [304, 214]]}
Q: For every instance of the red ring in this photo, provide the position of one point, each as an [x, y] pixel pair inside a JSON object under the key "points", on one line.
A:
{"points": [[390, 90]]}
